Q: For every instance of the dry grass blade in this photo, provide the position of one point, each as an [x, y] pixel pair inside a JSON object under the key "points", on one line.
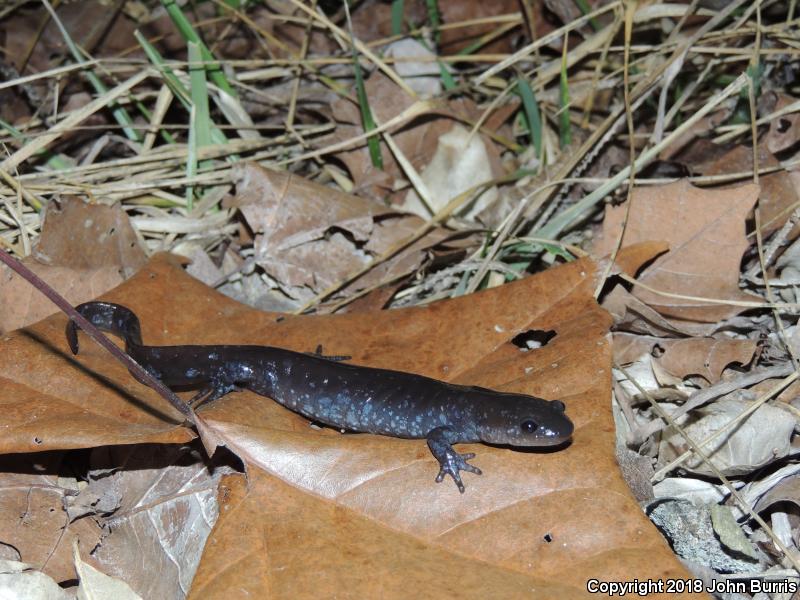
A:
{"points": [[41, 142]]}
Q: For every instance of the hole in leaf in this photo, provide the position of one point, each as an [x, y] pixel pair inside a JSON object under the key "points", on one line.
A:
{"points": [[533, 338]]}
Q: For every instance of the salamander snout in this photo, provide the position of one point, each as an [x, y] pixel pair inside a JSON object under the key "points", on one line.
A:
{"points": [[527, 421]]}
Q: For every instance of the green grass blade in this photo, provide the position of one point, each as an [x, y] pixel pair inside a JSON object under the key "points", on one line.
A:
{"points": [[447, 77], [174, 84], [367, 121], [373, 141], [199, 93], [531, 113], [191, 158], [200, 117], [177, 88], [184, 26], [434, 17], [558, 251], [56, 162], [397, 16], [586, 9]]}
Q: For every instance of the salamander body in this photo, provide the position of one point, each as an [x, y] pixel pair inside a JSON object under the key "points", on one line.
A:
{"points": [[345, 396]]}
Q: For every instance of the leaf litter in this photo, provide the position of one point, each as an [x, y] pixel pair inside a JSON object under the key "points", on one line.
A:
{"points": [[481, 189]]}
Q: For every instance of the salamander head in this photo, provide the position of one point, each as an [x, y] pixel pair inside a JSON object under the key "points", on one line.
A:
{"points": [[520, 420]]}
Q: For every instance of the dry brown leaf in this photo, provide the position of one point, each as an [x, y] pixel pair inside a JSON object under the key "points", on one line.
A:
{"points": [[88, 236], [32, 516], [310, 237], [84, 251], [682, 358], [454, 41], [706, 357], [629, 347], [417, 140], [166, 507], [373, 20], [50, 400], [784, 132], [391, 481], [635, 255], [311, 548], [634, 316], [778, 193], [761, 439], [706, 234], [694, 146], [22, 304], [378, 492], [786, 490]]}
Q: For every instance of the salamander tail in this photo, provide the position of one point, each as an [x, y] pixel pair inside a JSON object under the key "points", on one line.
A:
{"points": [[112, 318]]}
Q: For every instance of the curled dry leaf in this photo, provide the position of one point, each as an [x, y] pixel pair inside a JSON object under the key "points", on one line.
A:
{"points": [[21, 580], [95, 584], [778, 486], [84, 251], [460, 163], [787, 490], [32, 515], [706, 234], [309, 237], [706, 357], [166, 505], [634, 316], [759, 440], [417, 140]]}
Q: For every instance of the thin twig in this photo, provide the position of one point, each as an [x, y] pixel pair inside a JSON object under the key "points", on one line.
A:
{"points": [[135, 368]]}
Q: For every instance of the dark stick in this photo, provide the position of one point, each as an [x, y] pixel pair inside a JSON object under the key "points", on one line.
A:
{"points": [[97, 335]]}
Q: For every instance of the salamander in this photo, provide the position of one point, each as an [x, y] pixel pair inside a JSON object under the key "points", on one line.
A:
{"points": [[345, 396]]}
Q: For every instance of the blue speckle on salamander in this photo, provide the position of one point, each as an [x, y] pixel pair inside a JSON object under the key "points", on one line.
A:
{"points": [[347, 396]]}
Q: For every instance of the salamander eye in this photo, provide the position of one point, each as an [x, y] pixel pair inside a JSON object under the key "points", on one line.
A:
{"points": [[529, 426], [558, 405]]}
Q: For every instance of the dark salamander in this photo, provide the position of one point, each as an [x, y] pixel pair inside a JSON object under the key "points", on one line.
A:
{"points": [[346, 396]]}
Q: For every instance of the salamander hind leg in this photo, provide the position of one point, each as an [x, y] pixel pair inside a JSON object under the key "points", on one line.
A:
{"points": [[210, 393], [440, 442]]}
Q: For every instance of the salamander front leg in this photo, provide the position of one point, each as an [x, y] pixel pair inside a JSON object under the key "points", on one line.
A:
{"points": [[440, 442]]}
